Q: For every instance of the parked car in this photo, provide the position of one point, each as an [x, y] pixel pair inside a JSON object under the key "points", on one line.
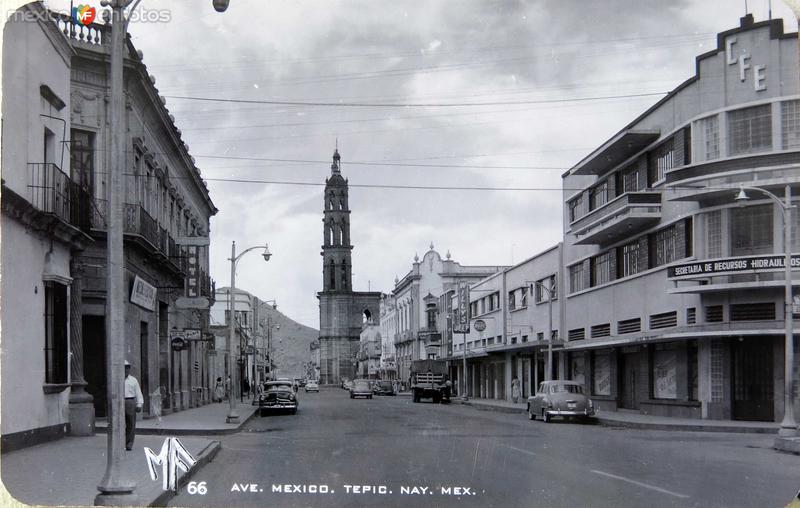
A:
{"points": [[361, 388], [302, 382], [382, 388], [312, 386], [345, 383], [277, 396], [560, 398]]}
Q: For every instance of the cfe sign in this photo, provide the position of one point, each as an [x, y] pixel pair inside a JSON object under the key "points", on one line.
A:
{"points": [[461, 321]]}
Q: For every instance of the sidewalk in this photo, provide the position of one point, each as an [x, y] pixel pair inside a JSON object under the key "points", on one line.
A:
{"points": [[208, 420], [67, 471], [639, 421]]}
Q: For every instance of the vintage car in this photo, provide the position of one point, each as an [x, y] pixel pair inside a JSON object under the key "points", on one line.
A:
{"points": [[277, 396], [382, 388], [560, 398], [312, 386], [361, 388]]}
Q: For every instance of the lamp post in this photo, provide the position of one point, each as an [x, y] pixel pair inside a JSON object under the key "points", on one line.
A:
{"points": [[233, 416], [788, 426], [114, 488], [548, 374]]}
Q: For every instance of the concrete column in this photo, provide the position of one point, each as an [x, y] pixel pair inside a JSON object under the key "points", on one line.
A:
{"points": [[511, 371], [704, 375], [81, 406]]}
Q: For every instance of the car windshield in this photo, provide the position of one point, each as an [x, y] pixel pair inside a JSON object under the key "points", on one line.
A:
{"points": [[385, 384], [360, 383], [279, 387], [564, 388]]}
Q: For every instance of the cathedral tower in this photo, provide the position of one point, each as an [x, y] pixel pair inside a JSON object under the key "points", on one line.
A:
{"points": [[336, 248], [342, 311]]}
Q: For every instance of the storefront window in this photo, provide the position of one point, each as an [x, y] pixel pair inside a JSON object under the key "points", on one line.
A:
{"points": [[665, 374], [601, 373]]}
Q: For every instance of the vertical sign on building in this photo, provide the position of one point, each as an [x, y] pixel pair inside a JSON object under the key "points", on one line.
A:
{"points": [[192, 279], [461, 324]]}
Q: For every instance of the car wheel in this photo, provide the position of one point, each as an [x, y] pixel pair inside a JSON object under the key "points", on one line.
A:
{"points": [[370, 396], [352, 396], [294, 411], [545, 416]]}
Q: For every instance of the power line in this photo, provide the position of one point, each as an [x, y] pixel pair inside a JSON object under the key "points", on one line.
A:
{"points": [[411, 105]]}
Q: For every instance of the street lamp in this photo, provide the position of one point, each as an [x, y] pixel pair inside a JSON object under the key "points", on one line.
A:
{"points": [[788, 426], [114, 488], [548, 374], [233, 416]]}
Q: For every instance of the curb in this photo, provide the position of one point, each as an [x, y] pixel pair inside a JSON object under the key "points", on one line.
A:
{"points": [[206, 456], [787, 445], [607, 422], [143, 431]]}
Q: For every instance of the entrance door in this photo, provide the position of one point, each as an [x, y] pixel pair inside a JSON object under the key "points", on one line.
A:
{"points": [[94, 361], [629, 373], [144, 364], [752, 380]]}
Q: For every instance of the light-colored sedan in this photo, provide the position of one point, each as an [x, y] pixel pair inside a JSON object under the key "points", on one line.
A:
{"points": [[560, 398], [312, 386]]}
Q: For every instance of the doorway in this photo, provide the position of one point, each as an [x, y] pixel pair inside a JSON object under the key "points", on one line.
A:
{"points": [[629, 380], [94, 361], [144, 364], [752, 379]]}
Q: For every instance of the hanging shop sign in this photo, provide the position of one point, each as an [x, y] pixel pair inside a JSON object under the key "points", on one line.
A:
{"points": [[461, 324], [143, 294]]}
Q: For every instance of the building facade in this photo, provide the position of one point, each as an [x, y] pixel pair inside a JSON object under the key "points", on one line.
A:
{"points": [[706, 340], [166, 207], [413, 311], [342, 311], [512, 313], [44, 226], [56, 134]]}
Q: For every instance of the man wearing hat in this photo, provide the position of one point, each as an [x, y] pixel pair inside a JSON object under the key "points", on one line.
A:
{"points": [[133, 404]]}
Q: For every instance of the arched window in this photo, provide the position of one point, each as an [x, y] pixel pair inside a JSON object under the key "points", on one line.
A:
{"points": [[366, 316], [332, 275], [341, 235]]}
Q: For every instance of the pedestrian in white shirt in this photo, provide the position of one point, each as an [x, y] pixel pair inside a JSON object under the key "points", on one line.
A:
{"points": [[133, 404]]}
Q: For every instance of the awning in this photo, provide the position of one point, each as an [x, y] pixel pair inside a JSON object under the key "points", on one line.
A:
{"points": [[615, 151]]}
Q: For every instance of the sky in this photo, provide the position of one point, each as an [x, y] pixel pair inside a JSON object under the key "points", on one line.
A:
{"points": [[501, 97]]}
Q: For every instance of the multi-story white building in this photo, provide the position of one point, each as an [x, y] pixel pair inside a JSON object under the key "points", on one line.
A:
{"points": [[703, 341], [42, 227], [55, 167], [415, 306]]}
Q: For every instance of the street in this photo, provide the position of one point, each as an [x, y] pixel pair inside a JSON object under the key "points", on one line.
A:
{"points": [[390, 452]]}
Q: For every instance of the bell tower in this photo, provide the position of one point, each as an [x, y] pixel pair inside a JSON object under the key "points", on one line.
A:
{"points": [[336, 249], [342, 311]]}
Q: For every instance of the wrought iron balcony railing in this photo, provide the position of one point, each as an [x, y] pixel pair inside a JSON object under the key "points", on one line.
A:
{"points": [[52, 191]]}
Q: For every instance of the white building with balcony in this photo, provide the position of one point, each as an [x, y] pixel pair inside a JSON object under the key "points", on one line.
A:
{"points": [[642, 334]]}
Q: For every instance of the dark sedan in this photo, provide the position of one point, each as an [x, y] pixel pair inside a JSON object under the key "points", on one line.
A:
{"points": [[383, 388], [277, 396], [361, 388], [560, 398]]}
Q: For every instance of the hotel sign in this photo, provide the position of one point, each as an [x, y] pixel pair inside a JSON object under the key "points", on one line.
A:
{"points": [[731, 266], [143, 294], [461, 324]]}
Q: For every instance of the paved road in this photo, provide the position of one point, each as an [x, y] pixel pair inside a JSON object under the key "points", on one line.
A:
{"points": [[417, 450]]}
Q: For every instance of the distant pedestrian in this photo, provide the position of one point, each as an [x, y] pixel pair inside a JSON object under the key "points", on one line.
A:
{"points": [[515, 389], [228, 387], [246, 387], [133, 404], [219, 390]]}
